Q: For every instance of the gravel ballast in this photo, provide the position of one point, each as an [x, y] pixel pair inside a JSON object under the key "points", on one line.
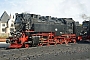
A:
{"points": [[57, 52]]}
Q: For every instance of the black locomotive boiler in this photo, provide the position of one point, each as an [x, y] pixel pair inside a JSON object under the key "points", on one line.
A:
{"points": [[44, 24]]}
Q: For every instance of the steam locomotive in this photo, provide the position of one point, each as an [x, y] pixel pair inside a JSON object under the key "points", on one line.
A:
{"points": [[34, 30], [85, 31]]}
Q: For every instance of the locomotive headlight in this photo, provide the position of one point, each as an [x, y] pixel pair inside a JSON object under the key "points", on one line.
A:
{"points": [[56, 29]]}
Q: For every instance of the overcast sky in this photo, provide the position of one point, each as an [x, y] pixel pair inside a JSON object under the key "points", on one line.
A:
{"points": [[56, 8]]}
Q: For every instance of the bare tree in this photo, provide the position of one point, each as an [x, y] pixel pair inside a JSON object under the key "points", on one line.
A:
{"points": [[85, 17]]}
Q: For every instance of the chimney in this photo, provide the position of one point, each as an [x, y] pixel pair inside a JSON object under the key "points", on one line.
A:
{"points": [[10, 16]]}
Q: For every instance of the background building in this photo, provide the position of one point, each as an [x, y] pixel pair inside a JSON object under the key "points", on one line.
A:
{"points": [[6, 24]]}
